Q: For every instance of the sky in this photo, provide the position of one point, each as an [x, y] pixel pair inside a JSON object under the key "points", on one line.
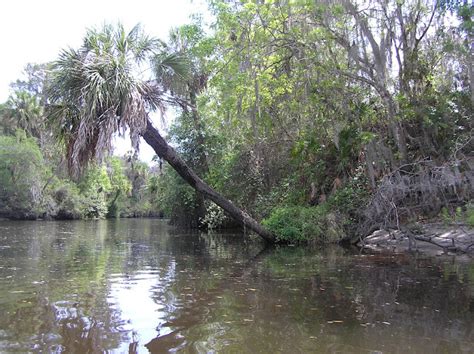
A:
{"points": [[34, 31]]}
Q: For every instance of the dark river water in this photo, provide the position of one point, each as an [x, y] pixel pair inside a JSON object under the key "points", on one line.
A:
{"points": [[132, 286]]}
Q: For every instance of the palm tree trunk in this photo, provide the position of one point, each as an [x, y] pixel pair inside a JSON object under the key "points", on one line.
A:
{"points": [[163, 150]]}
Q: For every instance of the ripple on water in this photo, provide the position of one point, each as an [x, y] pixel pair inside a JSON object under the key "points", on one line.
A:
{"points": [[112, 285]]}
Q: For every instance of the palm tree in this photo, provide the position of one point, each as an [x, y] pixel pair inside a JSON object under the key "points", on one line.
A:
{"points": [[23, 110], [97, 91]]}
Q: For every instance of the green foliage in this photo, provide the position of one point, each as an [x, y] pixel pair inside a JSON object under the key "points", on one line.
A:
{"points": [[69, 204], [275, 116], [33, 175], [352, 197], [22, 175], [282, 194], [459, 214], [120, 186], [94, 206], [470, 214], [23, 110], [297, 224], [118, 179], [142, 197], [176, 199], [96, 91], [94, 186], [446, 216], [327, 222]]}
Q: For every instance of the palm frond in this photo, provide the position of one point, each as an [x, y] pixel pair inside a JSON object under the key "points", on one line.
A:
{"points": [[171, 65], [96, 93]]}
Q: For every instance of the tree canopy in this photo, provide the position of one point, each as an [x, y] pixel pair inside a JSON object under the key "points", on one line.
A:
{"points": [[303, 111]]}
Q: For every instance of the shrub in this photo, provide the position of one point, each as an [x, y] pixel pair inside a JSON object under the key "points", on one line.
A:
{"points": [[22, 176], [94, 206], [66, 202], [71, 204], [352, 197], [214, 217], [296, 224], [94, 186]]}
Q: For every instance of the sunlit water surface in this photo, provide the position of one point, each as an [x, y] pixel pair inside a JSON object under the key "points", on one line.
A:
{"points": [[130, 286]]}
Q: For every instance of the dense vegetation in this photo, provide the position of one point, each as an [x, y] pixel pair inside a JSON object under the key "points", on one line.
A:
{"points": [[322, 119], [33, 172]]}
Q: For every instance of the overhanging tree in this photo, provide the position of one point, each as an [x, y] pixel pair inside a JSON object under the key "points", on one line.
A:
{"points": [[98, 91]]}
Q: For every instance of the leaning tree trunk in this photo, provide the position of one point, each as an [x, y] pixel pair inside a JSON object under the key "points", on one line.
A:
{"points": [[163, 150]]}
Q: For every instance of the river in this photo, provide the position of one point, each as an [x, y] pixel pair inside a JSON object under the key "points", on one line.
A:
{"points": [[139, 285]]}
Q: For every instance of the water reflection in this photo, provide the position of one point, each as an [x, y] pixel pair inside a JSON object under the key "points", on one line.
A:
{"points": [[138, 286]]}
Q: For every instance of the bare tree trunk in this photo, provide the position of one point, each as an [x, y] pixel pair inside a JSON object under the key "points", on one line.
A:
{"points": [[369, 158], [163, 150]]}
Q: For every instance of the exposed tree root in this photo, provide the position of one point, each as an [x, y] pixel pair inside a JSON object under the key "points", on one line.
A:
{"points": [[417, 190]]}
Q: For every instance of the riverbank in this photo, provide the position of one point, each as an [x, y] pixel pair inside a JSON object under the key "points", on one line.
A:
{"points": [[16, 216], [433, 238]]}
